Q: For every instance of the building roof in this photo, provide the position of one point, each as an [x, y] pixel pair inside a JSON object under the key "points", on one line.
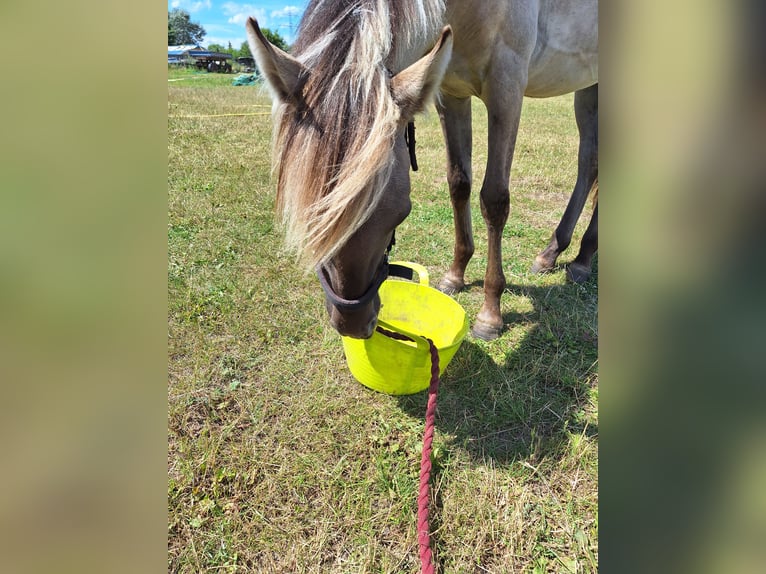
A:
{"points": [[180, 50], [196, 52]]}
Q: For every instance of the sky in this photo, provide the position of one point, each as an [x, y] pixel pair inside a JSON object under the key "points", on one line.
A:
{"points": [[224, 21]]}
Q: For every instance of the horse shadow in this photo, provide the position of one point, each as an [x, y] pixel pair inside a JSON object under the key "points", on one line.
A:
{"points": [[526, 404]]}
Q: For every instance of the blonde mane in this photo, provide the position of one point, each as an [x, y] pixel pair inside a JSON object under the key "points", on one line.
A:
{"points": [[332, 151]]}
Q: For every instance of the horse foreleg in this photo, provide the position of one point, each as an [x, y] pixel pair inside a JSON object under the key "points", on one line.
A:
{"points": [[455, 116], [503, 113], [489, 322], [586, 114]]}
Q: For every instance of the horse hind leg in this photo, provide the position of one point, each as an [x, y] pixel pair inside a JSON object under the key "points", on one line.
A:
{"points": [[578, 271], [586, 114], [455, 116]]}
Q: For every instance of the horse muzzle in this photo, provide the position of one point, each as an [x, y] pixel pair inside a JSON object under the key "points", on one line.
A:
{"points": [[358, 324], [358, 317]]}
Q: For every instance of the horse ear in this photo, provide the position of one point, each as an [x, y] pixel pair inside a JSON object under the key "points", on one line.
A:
{"points": [[284, 74], [413, 87]]}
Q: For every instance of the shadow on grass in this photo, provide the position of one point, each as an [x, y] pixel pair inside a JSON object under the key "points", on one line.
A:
{"points": [[524, 402]]}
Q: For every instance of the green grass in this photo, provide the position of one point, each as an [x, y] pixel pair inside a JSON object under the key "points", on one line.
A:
{"points": [[199, 78], [279, 461]]}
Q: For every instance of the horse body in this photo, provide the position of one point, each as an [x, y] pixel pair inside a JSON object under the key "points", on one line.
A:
{"points": [[565, 57], [358, 74], [503, 51]]}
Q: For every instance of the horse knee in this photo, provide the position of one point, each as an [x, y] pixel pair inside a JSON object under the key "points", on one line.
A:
{"points": [[495, 206], [459, 181]]}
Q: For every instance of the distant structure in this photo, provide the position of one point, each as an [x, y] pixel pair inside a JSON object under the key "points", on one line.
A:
{"points": [[247, 63], [198, 57]]}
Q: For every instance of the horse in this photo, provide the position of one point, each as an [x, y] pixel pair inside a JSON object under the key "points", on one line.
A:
{"points": [[358, 73]]}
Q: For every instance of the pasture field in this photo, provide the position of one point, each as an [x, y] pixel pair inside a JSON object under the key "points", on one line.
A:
{"points": [[279, 461]]}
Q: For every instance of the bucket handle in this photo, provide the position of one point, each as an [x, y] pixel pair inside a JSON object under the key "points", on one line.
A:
{"points": [[409, 266], [419, 340], [404, 269]]}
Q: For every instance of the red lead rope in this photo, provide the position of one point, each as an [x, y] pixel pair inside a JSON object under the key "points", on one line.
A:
{"points": [[424, 536]]}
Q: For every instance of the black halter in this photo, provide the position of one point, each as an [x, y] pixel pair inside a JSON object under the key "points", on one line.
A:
{"points": [[384, 269], [409, 137], [353, 304]]}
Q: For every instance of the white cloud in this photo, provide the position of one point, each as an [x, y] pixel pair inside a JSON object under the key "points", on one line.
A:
{"points": [[191, 6], [239, 13], [286, 12]]}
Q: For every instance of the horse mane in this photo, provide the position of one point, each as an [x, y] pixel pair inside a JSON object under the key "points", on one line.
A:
{"points": [[332, 150], [594, 193]]}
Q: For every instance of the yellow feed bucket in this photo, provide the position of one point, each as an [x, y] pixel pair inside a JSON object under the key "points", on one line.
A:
{"points": [[418, 311]]}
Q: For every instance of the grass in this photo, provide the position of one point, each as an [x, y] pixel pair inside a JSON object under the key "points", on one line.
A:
{"points": [[279, 461], [199, 78]]}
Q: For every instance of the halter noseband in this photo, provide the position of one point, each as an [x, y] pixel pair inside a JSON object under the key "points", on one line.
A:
{"points": [[384, 269], [353, 304]]}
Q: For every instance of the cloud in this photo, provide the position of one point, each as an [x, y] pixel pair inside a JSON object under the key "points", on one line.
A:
{"points": [[238, 13], [191, 6], [225, 33], [286, 12]]}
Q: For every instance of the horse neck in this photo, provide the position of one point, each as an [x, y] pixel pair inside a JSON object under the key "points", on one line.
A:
{"points": [[414, 27], [419, 25]]}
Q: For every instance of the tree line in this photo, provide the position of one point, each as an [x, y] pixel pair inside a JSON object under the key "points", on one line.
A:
{"points": [[182, 31]]}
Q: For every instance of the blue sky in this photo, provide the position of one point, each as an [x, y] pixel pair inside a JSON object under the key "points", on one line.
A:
{"points": [[224, 21]]}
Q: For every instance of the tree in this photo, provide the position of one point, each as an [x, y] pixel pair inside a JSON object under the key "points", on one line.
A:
{"points": [[171, 34], [275, 39], [244, 51], [181, 30]]}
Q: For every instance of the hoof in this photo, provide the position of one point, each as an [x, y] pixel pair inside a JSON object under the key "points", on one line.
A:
{"points": [[542, 265], [449, 287], [485, 332], [578, 273]]}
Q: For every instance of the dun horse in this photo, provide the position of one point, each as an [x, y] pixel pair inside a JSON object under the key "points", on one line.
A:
{"points": [[358, 73]]}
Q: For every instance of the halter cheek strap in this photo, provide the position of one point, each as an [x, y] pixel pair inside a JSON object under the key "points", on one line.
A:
{"points": [[409, 137]]}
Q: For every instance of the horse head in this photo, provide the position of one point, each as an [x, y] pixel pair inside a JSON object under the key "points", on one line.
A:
{"points": [[340, 157]]}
